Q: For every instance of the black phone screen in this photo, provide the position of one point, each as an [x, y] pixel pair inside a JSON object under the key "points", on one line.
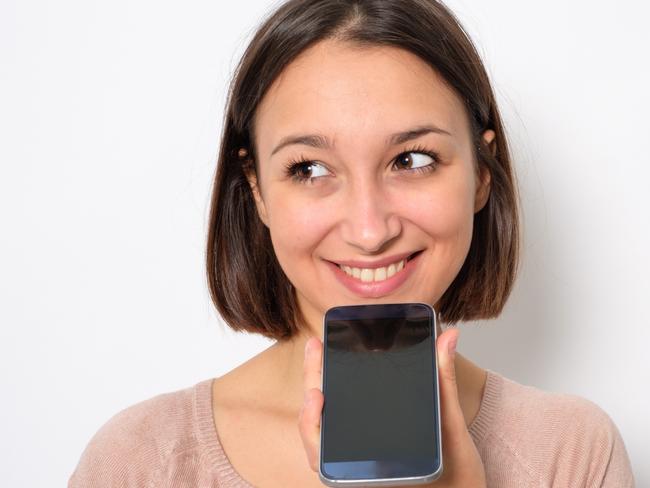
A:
{"points": [[379, 382]]}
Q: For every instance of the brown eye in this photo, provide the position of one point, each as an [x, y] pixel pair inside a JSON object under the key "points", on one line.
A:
{"points": [[311, 169], [414, 160], [305, 171]]}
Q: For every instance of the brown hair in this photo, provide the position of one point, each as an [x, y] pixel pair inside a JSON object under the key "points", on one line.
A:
{"points": [[246, 282]]}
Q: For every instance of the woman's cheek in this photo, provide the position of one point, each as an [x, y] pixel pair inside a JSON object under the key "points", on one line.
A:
{"points": [[440, 214], [297, 227]]}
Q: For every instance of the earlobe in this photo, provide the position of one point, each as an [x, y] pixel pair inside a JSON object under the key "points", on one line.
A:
{"points": [[259, 202]]}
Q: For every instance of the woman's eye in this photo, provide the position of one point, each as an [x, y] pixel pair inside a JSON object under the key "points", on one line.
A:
{"points": [[305, 171], [419, 161]]}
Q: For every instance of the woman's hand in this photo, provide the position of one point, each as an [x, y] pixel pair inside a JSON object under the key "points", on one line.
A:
{"points": [[309, 419], [462, 465]]}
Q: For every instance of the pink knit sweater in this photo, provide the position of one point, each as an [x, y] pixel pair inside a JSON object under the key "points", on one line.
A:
{"points": [[525, 436]]}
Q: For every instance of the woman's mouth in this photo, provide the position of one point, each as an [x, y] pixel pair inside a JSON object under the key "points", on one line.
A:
{"points": [[376, 281], [368, 275]]}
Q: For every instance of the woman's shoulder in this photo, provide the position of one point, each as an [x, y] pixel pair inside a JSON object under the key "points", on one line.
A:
{"points": [[529, 404], [133, 446], [555, 438]]}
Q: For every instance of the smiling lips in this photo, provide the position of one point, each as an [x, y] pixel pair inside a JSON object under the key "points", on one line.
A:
{"points": [[377, 274], [372, 280]]}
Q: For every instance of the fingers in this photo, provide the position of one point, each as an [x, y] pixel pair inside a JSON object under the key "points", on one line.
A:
{"points": [[309, 426], [463, 464], [309, 418], [312, 364], [453, 420]]}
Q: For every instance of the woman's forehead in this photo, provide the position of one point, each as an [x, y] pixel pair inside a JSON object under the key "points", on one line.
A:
{"points": [[336, 88]]}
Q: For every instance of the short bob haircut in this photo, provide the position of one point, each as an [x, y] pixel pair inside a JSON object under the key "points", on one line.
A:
{"points": [[246, 282]]}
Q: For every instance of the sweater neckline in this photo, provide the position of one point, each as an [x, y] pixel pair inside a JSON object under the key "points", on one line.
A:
{"points": [[488, 408], [217, 459], [206, 432]]}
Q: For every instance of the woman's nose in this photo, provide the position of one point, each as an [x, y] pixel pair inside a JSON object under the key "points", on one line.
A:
{"points": [[370, 221]]}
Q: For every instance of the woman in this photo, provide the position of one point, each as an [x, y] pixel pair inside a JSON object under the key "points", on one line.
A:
{"points": [[363, 160]]}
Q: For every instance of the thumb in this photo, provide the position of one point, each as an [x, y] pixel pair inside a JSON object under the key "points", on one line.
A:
{"points": [[454, 420]]}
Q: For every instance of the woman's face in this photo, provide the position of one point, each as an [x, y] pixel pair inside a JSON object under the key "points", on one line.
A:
{"points": [[382, 211]]}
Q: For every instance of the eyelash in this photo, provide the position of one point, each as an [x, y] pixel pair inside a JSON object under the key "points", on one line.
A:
{"points": [[293, 166]]}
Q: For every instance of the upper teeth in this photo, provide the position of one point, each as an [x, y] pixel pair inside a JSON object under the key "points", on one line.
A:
{"points": [[374, 274]]}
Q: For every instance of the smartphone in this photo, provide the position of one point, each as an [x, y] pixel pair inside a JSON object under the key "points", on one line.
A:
{"points": [[380, 424]]}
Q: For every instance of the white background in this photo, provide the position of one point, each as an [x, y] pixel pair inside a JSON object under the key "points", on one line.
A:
{"points": [[110, 114]]}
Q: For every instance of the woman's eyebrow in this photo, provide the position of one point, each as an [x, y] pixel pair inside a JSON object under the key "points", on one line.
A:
{"points": [[323, 142]]}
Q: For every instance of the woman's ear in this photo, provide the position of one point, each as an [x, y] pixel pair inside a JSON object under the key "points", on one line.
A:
{"points": [[489, 136], [484, 177], [251, 176]]}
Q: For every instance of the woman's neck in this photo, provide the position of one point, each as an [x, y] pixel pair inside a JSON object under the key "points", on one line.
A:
{"points": [[284, 360]]}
